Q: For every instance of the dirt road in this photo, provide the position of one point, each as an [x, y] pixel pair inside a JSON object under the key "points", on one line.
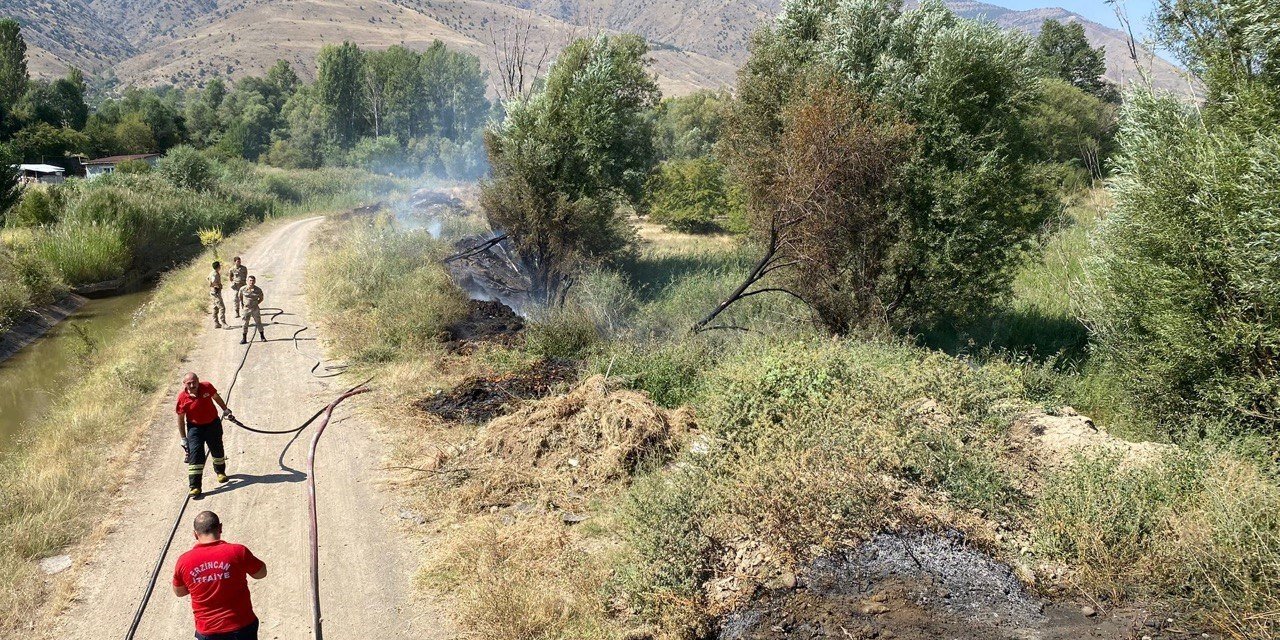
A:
{"points": [[366, 564]]}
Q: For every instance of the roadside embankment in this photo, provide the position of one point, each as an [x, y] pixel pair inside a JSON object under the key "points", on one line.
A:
{"points": [[600, 473]]}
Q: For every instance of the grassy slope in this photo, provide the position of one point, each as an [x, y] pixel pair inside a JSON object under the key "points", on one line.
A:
{"points": [[1178, 531]]}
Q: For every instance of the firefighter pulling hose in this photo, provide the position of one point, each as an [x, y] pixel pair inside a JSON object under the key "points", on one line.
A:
{"points": [[226, 616]]}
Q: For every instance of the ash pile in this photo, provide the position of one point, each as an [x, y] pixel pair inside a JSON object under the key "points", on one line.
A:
{"points": [[428, 200]]}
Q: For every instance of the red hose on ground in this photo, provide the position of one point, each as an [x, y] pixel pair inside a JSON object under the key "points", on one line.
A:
{"points": [[311, 496]]}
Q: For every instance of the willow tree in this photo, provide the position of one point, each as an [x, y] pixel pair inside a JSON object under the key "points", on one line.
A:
{"points": [[953, 202], [1185, 290], [566, 158]]}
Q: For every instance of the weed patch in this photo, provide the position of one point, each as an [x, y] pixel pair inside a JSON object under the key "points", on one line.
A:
{"points": [[383, 293], [1197, 528]]}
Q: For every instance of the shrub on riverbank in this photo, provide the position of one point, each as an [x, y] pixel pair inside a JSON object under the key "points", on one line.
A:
{"points": [[25, 282], [91, 231]]}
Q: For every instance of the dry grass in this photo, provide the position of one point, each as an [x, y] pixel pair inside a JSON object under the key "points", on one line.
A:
{"points": [[561, 452], [1198, 529], [523, 579], [393, 299], [52, 491], [658, 241]]}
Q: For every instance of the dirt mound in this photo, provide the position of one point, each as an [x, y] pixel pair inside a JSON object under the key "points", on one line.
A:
{"points": [[480, 399], [913, 587], [558, 450], [1052, 441]]}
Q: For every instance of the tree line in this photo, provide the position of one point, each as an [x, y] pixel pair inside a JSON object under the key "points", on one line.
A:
{"points": [[393, 111], [895, 166]]}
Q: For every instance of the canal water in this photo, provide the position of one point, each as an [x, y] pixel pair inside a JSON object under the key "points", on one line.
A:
{"points": [[30, 380]]}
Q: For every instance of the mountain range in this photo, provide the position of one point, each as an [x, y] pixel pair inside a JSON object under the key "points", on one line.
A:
{"points": [[697, 44]]}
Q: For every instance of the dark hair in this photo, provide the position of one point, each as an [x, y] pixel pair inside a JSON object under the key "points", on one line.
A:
{"points": [[216, 264], [207, 523], [237, 257]]}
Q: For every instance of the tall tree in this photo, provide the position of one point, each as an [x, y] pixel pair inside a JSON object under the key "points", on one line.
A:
{"points": [[284, 79], [339, 88], [566, 157], [454, 89], [10, 189], [70, 90], [1068, 56], [967, 204], [13, 62], [690, 126], [393, 88], [1233, 47]]}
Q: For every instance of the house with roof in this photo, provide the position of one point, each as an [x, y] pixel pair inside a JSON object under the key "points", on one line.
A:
{"points": [[103, 166], [39, 173]]}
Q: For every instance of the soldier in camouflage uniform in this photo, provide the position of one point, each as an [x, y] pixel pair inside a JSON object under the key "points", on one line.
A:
{"points": [[251, 297], [215, 292], [238, 275]]}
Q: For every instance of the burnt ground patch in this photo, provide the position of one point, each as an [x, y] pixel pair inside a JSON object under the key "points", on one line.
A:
{"points": [[479, 399], [918, 587]]}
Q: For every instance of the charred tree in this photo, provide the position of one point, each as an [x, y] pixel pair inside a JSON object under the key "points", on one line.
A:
{"points": [[821, 211]]}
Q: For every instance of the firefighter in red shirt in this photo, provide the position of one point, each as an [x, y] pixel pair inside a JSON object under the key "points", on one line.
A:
{"points": [[213, 574], [198, 426]]}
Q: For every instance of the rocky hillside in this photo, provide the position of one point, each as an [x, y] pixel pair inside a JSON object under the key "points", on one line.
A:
{"points": [[1120, 66], [697, 43], [61, 33]]}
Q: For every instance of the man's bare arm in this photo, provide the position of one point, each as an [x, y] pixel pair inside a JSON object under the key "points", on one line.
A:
{"points": [[182, 427], [217, 397], [180, 591], [260, 574]]}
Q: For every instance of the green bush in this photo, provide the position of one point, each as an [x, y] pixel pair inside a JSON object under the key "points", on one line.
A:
{"points": [[689, 195], [670, 372], [187, 168], [1186, 297], [39, 206], [383, 155], [133, 166], [25, 281], [561, 333], [670, 554]]}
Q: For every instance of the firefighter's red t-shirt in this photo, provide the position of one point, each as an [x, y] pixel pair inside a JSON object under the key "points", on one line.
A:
{"points": [[200, 408], [215, 574]]}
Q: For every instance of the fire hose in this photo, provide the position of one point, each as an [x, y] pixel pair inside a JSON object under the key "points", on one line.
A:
{"points": [[327, 412]]}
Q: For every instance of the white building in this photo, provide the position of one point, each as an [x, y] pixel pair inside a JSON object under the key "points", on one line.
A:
{"points": [[39, 173], [103, 166]]}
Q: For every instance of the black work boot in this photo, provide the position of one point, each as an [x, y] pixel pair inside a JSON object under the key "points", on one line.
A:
{"points": [[263, 336], [244, 338]]}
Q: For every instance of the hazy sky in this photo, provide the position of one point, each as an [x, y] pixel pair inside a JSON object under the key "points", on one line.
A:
{"points": [[1095, 10]]}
